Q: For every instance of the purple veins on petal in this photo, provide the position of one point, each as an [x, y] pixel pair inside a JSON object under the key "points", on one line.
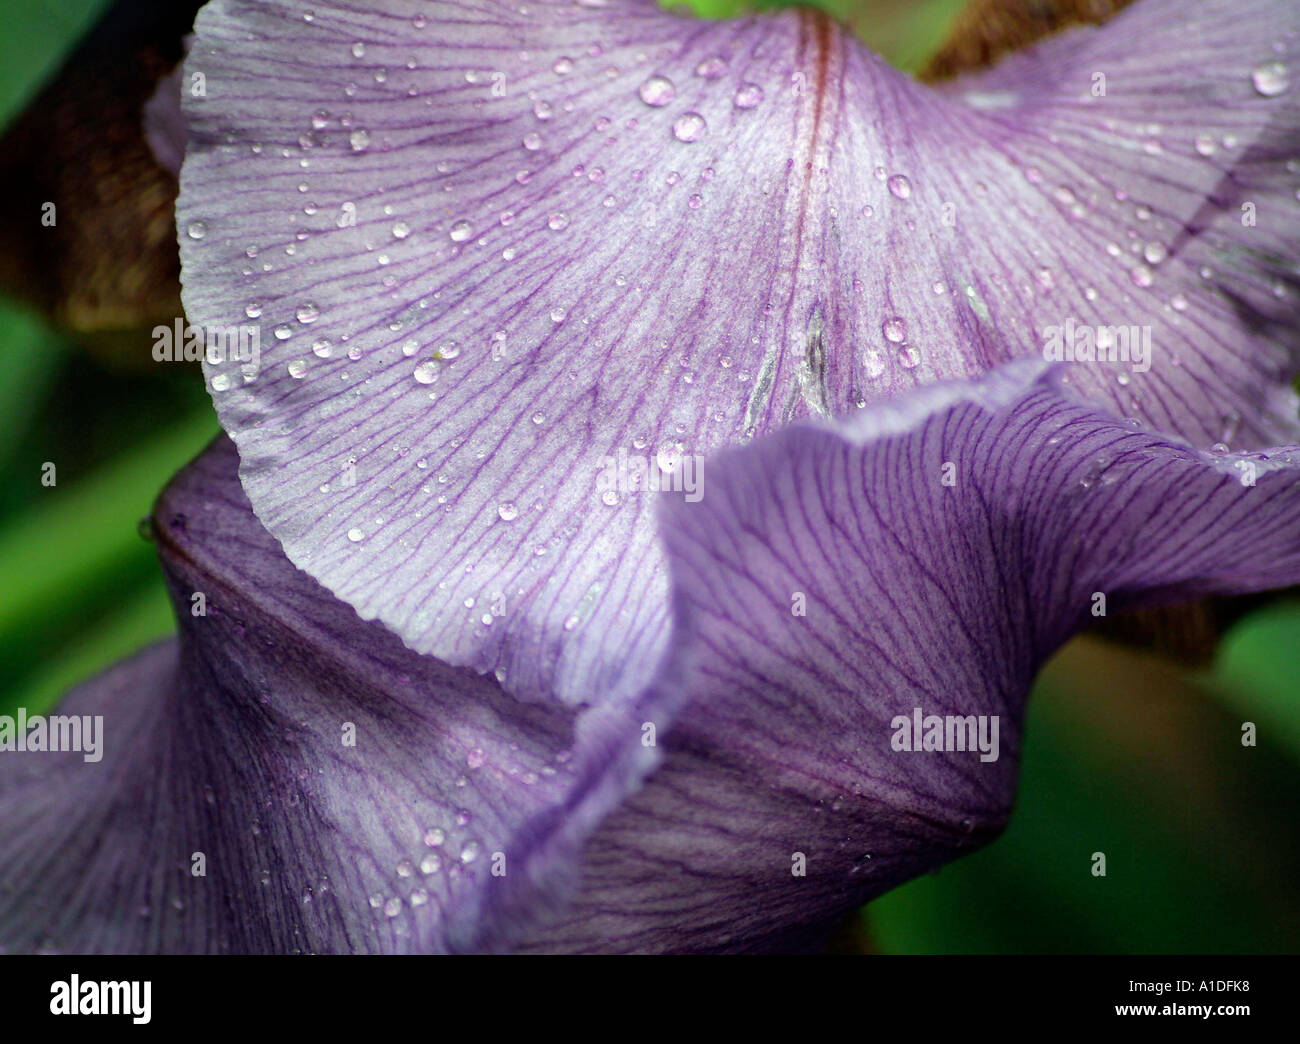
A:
{"points": [[739, 264]]}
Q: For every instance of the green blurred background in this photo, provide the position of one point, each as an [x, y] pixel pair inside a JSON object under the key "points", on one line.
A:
{"points": [[1124, 754]]}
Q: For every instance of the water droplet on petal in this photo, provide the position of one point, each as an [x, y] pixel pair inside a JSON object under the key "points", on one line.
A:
{"points": [[748, 96], [689, 126], [507, 511], [711, 68], [895, 330], [308, 313], [1270, 78], [899, 186], [427, 372], [197, 230], [460, 231], [657, 91]]}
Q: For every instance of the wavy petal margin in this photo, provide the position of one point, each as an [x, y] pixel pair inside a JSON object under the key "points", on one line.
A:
{"points": [[291, 779], [814, 584], [489, 248], [838, 584]]}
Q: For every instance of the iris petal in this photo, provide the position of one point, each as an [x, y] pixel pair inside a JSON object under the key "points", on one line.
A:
{"points": [[839, 582], [338, 792], [490, 246], [811, 589]]}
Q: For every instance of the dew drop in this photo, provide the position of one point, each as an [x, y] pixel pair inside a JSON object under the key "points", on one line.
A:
{"points": [[895, 330], [507, 511], [462, 230], [298, 369], [657, 91], [748, 96], [1270, 78], [689, 126], [307, 313], [355, 535], [427, 372], [899, 186], [401, 230], [711, 68], [359, 140]]}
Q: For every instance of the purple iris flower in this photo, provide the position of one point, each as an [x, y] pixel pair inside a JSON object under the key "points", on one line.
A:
{"points": [[649, 492]]}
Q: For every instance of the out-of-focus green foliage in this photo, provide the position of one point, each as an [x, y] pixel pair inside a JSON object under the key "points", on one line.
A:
{"points": [[905, 32]]}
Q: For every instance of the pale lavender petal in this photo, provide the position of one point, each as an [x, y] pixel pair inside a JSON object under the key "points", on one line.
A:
{"points": [[489, 245], [450, 823], [830, 582]]}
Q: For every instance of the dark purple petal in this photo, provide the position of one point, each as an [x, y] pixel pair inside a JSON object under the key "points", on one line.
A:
{"points": [[917, 594], [776, 725], [576, 265], [164, 123], [231, 744]]}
